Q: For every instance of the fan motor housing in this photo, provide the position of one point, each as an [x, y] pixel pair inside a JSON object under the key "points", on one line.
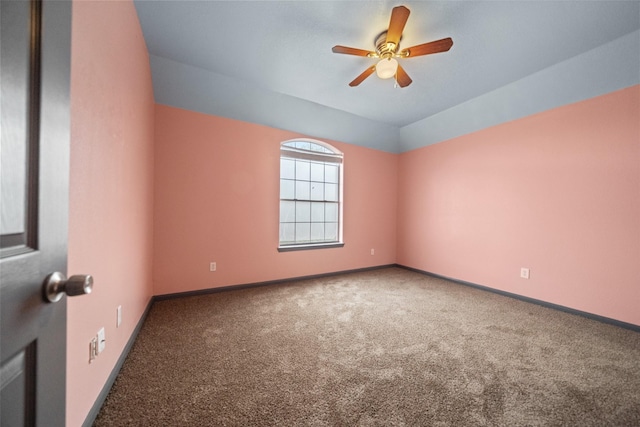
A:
{"points": [[384, 49]]}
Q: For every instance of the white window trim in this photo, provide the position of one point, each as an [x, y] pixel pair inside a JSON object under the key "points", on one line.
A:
{"points": [[336, 157]]}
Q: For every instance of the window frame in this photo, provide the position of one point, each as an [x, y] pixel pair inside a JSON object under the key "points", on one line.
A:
{"points": [[335, 156]]}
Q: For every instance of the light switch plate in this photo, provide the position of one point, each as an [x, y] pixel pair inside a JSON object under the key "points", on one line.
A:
{"points": [[102, 342]]}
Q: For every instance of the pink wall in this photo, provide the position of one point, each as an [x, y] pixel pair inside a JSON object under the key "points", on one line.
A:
{"points": [[216, 199], [111, 190], [557, 192]]}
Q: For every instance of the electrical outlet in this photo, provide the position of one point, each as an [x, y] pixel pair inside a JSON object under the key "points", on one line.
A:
{"points": [[373, 251], [93, 349], [118, 316], [212, 266], [524, 273]]}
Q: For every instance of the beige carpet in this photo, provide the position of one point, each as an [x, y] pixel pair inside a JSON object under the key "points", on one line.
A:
{"points": [[381, 348]]}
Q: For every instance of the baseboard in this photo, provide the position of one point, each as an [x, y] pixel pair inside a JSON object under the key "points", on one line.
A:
{"points": [[259, 284], [588, 315], [95, 409]]}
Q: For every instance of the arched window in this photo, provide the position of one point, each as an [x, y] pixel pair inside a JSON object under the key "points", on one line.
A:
{"points": [[310, 195]]}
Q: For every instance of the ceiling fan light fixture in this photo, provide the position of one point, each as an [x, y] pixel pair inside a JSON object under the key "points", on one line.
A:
{"points": [[387, 68], [387, 45]]}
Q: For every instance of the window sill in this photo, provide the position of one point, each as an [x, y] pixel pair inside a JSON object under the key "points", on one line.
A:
{"points": [[291, 248]]}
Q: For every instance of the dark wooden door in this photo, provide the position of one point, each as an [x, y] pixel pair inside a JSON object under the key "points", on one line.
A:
{"points": [[34, 156]]}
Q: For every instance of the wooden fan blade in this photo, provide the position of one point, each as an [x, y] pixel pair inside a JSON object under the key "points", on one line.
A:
{"points": [[402, 77], [428, 48], [399, 16], [366, 73], [351, 51]]}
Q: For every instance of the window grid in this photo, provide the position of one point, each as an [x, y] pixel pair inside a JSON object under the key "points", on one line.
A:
{"points": [[309, 198]]}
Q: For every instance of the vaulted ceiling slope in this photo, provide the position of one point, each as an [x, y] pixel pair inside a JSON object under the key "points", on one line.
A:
{"points": [[270, 62]]}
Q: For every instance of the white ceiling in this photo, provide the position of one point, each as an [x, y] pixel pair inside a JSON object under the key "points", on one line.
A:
{"points": [[284, 47]]}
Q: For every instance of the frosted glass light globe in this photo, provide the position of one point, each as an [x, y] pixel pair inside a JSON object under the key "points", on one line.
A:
{"points": [[386, 68]]}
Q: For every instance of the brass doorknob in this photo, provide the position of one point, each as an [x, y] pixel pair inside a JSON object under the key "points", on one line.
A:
{"points": [[55, 285]]}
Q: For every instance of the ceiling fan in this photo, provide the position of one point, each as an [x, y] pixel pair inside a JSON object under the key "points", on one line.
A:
{"points": [[388, 48]]}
